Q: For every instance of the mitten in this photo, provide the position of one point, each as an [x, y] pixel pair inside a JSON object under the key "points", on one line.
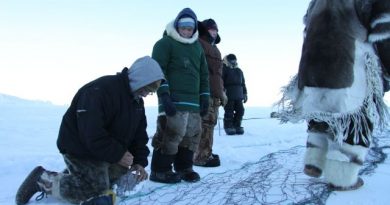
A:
{"points": [[169, 107], [204, 106], [245, 98]]}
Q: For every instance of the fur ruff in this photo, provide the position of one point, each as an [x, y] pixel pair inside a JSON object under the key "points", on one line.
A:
{"points": [[372, 109], [172, 32]]}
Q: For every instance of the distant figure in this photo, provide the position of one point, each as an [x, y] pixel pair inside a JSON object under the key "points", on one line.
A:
{"points": [[102, 138], [234, 83], [209, 38], [183, 99], [339, 87]]}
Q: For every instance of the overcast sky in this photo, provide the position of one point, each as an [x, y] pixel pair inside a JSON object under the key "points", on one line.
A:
{"points": [[50, 48]]}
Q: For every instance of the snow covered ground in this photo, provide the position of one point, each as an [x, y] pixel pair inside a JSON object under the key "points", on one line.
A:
{"points": [[263, 166]]}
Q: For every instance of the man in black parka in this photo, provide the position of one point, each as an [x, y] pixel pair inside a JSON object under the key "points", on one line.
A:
{"points": [[234, 83], [102, 136]]}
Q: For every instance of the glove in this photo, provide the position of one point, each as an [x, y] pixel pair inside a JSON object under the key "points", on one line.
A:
{"points": [[140, 172], [169, 107], [204, 106], [224, 99], [245, 98]]}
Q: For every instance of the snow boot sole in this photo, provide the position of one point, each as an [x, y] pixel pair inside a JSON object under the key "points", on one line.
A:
{"points": [[165, 177], [357, 185]]}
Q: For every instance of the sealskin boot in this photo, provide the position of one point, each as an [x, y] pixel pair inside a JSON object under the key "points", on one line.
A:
{"points": [[239, 130], [228, 126], [237, 126], [183, 165], [161, 168], [212, 161], [189, 175], [29, 186], [168, 177]]}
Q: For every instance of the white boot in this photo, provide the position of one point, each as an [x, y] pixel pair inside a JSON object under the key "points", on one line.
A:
{"points": [[343, 165], [316, 149]]}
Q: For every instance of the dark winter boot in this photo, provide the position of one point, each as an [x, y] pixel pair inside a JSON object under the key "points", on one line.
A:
{"points": [[29, 186], [39, 180], [183, 165], [212, 161], [237, 126], [239, 130], [161, 168], [228, 126], [189, 175]]}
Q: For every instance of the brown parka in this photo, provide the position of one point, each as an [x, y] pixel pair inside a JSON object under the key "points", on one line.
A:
{"points": [[214, 62]]}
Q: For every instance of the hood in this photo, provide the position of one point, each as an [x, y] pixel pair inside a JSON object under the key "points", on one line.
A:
{"points": [[171, 31], [144, 71], [205, 35], [186, 12]]}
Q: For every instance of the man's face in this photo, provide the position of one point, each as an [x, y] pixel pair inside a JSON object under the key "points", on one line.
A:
{"points": [[142, 92], [186, 32], [213, 33], [147, 90]]}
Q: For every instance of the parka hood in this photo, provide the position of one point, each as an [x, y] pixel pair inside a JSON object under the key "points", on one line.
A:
{"points": [[144, 71], [205, 35]]}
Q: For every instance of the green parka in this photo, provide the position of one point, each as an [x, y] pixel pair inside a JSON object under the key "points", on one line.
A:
{"points": [[184, 65]]}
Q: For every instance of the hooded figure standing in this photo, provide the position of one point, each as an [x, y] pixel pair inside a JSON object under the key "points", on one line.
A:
{"points": [[234, 83], [102, 137], [183, 99], [338, 89], [209, 38]]}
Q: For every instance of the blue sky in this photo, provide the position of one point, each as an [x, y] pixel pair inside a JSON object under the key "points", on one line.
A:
{"points": [[50, 48]]}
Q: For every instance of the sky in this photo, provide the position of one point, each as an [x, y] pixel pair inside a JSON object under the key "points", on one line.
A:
{"points": [[50, 48], [263, 166]]}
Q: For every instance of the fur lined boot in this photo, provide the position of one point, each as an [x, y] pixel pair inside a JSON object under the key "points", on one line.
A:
{"points": [[228, 126], [183, 165], [237, 126], [39, 180], [316, 149], [342, 167], [161, 168]]}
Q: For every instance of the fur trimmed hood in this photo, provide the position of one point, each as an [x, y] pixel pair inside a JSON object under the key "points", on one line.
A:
{"points": [[228, 64], [171, 31], [204, 34]]}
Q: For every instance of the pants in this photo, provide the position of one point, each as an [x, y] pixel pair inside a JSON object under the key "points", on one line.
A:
{"points": [[234, 111], [209, 121], [85, 178], [183, 129]]}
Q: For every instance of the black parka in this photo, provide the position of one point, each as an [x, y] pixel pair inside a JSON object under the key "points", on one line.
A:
{"points": [[104, 121], [234, 83]]}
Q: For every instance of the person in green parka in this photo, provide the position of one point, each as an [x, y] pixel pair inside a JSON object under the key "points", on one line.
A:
{"points": [[183, 98]]}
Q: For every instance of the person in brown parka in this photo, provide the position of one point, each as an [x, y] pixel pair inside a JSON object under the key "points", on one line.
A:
{"points": [[208, 37]]}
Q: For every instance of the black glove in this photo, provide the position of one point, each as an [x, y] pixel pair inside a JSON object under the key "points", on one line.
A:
{"points": [[245, 98], [169, 107], [204, 106]]}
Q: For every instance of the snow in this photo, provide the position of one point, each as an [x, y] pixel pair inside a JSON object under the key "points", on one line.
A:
{"points": [[28, 133]]}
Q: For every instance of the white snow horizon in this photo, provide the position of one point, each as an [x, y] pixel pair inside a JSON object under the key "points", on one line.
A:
{"points": [[262, 166]]}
